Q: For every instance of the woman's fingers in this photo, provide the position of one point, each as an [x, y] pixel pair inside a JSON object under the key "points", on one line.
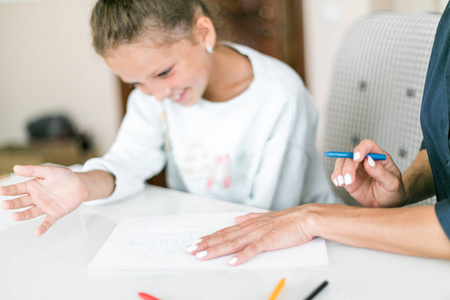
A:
{"points": [[245, 225], [269, 242], [387, 179], [246, 243], [384, 171], [365, 147], [349, 171], [231, 237], [240, 219], [248, 253], [225, 248], [219, 237], [345, 170], [339, 163]]}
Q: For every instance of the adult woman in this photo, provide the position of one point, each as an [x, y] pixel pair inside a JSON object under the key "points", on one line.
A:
{"points": [[383, 224]]}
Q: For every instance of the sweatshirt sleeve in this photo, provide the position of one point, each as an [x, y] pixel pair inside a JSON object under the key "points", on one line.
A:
{"points": [[290, 171], [137, 153]]}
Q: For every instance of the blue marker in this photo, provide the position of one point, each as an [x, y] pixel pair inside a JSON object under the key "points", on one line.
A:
{"points": [[374, 156]]}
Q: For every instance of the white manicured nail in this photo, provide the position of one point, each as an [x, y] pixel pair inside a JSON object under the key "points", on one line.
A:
{"points": [[347, 179], [197, 241], [356, 156], [335, 182], [232, 261], [191, 248], [340, 180], [201, 254], [371, 162]]}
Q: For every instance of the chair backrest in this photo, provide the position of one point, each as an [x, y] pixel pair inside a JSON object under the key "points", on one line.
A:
{"points": [[377, 86]]}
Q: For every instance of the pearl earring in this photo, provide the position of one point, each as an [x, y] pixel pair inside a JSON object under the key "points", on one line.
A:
{"points": [[209, 48]]}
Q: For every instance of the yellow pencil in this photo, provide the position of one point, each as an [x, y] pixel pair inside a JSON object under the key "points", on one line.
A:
{"points": [[277, 290]]}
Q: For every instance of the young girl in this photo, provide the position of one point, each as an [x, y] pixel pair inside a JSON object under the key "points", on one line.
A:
{"points": [[227, 121]]}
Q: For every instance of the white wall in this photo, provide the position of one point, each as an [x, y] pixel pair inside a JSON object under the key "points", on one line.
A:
{"points": [[47, 65], [418, 5]]}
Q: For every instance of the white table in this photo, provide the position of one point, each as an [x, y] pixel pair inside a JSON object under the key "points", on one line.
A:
{"points": [[54, 266]]}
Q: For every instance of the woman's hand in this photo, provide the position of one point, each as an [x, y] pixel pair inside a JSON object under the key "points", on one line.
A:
{"points": [[372, 183], [256, 233], [54, 191]]}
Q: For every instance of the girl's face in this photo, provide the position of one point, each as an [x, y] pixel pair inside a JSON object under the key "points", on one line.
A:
{"points": [[179, 71]]}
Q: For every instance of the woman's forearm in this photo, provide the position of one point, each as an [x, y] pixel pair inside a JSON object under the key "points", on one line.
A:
{"points": [[408, 230], [418, 179]]}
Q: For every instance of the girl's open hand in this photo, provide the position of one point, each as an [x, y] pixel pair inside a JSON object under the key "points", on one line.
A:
{"points": [[54, 191]]}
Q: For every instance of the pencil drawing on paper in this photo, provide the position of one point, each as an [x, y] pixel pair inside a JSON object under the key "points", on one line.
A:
{"points": [[154, 237], [166, 243]]}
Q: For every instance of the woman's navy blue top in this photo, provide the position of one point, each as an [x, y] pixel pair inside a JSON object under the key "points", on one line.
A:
{"points": [[435, 116]]}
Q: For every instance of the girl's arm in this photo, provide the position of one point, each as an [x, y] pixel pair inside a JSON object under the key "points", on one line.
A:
{"points": [[54, 191]]}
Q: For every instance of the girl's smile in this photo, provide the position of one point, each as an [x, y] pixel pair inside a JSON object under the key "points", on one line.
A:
{"points": [[179, 71], [180, 97]]}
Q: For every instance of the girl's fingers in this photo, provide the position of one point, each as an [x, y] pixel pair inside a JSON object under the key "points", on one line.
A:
{"points": [[27, 214], [46, 224], [32, 213], [17, 203], [32, 171], [15, 189]]}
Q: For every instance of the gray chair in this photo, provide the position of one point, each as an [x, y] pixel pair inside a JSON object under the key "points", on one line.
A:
{"points": [[377, 86]]}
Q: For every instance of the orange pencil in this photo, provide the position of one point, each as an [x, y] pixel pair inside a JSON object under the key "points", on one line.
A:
{"points": [[277, 289]]}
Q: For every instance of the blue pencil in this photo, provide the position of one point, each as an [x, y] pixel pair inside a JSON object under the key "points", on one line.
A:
{"points": [[338, 154]]}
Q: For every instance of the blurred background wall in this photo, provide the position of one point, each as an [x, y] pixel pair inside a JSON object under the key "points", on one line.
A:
{"points": [[47, 64]]}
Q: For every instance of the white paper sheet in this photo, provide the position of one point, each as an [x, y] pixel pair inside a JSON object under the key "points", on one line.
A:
{"points": [[159, 243]]}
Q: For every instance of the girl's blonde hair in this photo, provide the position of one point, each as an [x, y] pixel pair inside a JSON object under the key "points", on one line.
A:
{"points": [[118, 22]]}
